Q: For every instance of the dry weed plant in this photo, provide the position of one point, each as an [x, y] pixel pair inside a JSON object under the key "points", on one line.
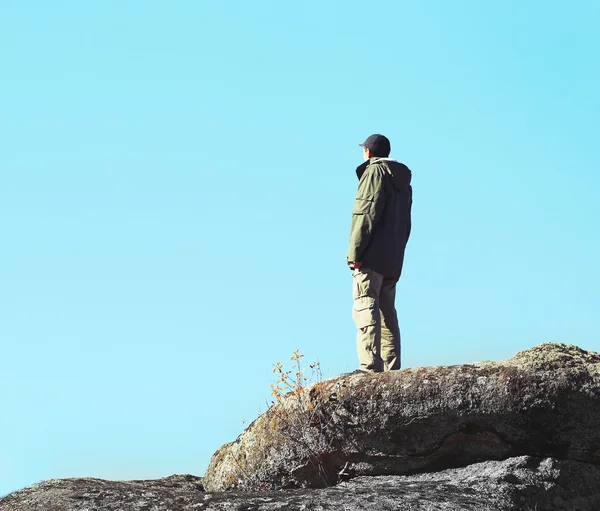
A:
{"points": [[307, 417], [305, 413]]}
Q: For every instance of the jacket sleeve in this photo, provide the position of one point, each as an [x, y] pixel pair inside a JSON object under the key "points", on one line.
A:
{"points": [[409, 223], [368, 207]]}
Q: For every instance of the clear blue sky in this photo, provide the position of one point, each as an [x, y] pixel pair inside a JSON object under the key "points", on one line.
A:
{"points": [[177, 182]]}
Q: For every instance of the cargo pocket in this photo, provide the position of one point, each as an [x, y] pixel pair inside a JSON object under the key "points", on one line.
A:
{"points": [[363, 312], [362, 206], [361, 284]]}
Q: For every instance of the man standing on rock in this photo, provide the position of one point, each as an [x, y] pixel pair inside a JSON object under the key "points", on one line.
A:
{"points": [[379, 232]]}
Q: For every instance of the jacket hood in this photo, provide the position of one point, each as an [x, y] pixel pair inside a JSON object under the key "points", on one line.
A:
{"points": [[401, 175]]}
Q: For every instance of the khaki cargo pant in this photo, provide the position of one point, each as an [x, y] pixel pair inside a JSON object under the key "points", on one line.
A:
{"points": [[374, 313]]}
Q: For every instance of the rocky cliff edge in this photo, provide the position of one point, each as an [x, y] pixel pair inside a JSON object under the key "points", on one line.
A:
{"points": [[519, 434]]}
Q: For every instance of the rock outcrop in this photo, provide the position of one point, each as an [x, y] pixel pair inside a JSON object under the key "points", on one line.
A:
{"points": [[521, 434], [517, 484], [543, 402]]}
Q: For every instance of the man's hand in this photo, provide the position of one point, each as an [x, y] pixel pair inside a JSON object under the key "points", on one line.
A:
{"points": [[355, 265]]}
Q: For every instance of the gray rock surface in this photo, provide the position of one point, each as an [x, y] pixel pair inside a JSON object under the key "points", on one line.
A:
{"points": [[521, 434], [522, 483], [542, 402], [174, 492]]}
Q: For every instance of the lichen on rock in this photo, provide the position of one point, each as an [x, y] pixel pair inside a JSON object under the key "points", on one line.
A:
{"points": [[555, 356]]}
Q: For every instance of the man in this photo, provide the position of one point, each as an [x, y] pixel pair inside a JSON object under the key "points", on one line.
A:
{"points": [[379, 232]]}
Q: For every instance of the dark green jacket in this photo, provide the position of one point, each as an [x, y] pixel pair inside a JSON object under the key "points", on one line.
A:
{"points": [[381, 216]]}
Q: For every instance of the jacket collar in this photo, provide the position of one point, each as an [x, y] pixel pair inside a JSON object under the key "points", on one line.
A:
{"points": [[360, 170]]}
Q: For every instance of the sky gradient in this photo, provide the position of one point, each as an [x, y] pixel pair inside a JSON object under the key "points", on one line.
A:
{"points": [[177, 183]]}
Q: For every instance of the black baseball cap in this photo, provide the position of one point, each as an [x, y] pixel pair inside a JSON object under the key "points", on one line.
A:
{"points": [[378, 144]]}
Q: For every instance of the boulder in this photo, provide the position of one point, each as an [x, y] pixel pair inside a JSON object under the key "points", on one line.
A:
{"points": [[543, 402]]}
